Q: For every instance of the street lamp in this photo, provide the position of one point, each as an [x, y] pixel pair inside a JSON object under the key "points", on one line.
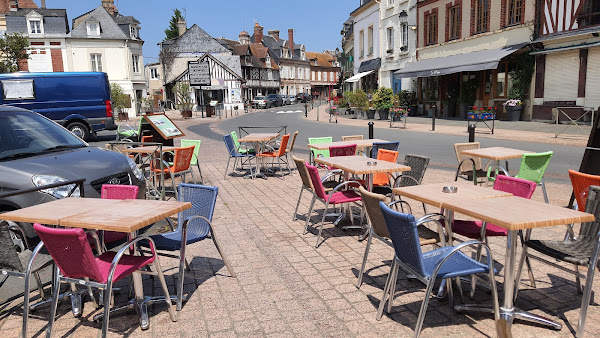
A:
{"points": [[403, 17]]}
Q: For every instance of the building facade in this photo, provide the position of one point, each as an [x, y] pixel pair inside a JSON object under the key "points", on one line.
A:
{"points": [[367, 53], [347, 57], [325, 72], [154, 80], [568, 57]]}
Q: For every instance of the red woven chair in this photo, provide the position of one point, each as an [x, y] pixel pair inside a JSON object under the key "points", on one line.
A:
{"points": [[336, 196], [77, 264], [116, 192], [278, 154]]}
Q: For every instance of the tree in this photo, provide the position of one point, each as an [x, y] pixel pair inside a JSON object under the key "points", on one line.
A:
{"points": [[13, 50], [173, 30], [119, 99]]}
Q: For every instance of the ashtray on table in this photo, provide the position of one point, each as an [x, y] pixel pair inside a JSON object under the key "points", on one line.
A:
{"points": [[450, 189], [372, 163]]}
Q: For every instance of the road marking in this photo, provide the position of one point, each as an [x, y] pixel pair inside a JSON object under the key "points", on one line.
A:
{"points": [[288, 112]]}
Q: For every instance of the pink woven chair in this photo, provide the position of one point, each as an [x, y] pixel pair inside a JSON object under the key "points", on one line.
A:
{"points": [[336, 196], [117, 192], [348, 150], [481, 230], [77, 264]]}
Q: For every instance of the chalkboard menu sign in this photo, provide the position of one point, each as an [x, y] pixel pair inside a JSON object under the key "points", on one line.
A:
{"points": [[165, 127]]}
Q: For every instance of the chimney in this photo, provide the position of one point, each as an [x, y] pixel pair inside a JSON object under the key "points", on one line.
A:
{"points": [[181, 26], [244, 38], [291, 41], [109, 5], [43, 4], [258, 33], [274, 34], [13, 5]]}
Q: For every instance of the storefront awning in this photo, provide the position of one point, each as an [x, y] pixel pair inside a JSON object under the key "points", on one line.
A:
{"points": [[368, 65], [480, 60], [357, 77]]}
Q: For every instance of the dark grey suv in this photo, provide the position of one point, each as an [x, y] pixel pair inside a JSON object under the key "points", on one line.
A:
{"points": [[34, 151]]}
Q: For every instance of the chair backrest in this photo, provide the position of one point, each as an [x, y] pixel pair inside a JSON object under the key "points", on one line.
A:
{"points": [[317, 140], [147, 138], [405, 237], [182, 158], [316, 180], [371, 202], [119, 192], [196, 143], [516, 186], [231, 149], [293, 141], [418, 165], [71, 251], [348, 150], [581, 184], [466, 166], [533, 166], [589, 230], [304, 175], [353, 137], [388, 156], [203, 199], [283, 146], [9, 257], [383, 145], [234, 137]]}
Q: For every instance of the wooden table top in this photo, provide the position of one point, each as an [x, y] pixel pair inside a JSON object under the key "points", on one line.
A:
{"points": [[148, 149], [358, 164], [52, 212], [516, 213], [432, 194], [359, 144], [125, 215], [258, 137], [495, 153]]}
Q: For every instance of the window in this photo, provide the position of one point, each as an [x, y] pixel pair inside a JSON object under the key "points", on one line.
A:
{"points": [[35, 27], [133, 31], [454, 23], [390, 40], [515, 12], [18, 89], [136, 63], [319, 76], [482, 8], [370, 39], [93, 28], [404, 37], [361, 41], [431, 31], [313, 76], [590, 13], [390, 2], [96, 62], [504, 79], [429, 88], [154, 74]]}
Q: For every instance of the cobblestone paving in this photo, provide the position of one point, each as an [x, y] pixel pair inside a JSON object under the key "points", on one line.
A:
{"points": [[285, 287]]}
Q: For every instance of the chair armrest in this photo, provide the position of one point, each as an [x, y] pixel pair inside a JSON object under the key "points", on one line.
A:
{"points": [[393, 203], [436, 218], [459, 247], [331, 174], [34, 253], [96, 239], [489, 170], [185, 225], [339, 186], [121, 252], [398, 178]]}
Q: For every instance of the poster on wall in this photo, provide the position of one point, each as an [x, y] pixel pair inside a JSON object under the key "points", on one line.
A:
{"points": [[236, 95]]}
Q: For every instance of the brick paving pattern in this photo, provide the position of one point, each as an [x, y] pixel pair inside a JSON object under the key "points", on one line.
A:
{"points": [[285, 287]]}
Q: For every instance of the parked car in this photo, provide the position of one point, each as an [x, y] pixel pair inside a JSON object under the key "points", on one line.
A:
{"points": [[275, 100], [286, 99], [292, 99], [35, 151], [260, 102], [303, 97], [80, 101]]}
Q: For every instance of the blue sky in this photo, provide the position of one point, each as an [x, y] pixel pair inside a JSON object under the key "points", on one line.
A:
{"points": [[316, 24]]}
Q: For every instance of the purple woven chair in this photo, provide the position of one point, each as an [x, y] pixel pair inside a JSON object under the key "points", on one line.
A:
{"points": [[336, 196], [77, 264]]}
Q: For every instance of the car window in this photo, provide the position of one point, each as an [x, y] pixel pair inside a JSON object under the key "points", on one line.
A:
{"points": [[25, 134], [259, 97]]}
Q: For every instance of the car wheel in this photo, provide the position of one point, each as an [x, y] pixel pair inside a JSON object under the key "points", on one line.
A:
{"points": [[79, 129]]}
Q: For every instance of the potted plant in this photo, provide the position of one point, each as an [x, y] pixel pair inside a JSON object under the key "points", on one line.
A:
{"points": [[383, 101], [514, 108], [467, 96], [119, 101], [521, 75], [361, 102], [397, 113], [371, 109], [147, 104], [350, 102], [183, 99], [408, 99]]}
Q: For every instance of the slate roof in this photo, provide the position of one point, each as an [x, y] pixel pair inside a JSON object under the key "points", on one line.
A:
{"points": [[55, 21], [110, 27], [276, 46]]}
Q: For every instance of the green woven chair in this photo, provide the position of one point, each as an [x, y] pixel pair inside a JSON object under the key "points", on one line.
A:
{"points": [[195, 161], [242, 149], [316, 140], [533, 167]]}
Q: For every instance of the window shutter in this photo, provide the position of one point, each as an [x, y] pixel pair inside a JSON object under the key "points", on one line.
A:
{"points": [[592, 84]]}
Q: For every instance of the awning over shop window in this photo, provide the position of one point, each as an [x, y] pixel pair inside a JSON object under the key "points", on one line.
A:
{"points": [[368, 65], [357, 77], [480, 60]]}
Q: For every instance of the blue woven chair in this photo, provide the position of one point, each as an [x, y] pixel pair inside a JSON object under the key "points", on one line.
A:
{"points": [[447, 262], [193, 225], [383, 145], [233, 153]]}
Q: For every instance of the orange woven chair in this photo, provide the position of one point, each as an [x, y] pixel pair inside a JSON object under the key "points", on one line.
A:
{"points": [[182, 158], [581, 184], [383, 179], [278, 154], [146, 139]]}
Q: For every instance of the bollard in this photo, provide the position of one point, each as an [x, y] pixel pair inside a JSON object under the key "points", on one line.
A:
{"points": [[305, 109], [471, 133], [371, 124], [433, 122]]}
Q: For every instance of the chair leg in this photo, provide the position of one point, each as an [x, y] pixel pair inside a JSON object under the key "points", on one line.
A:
{"points": [[106, 302], [225, 260], [578, 279], [187, 265], [26, 303], [298, 204], [312, 204], [226, 168], [386, 290], [425, 303], [364, 262], [519, 271], [40, 285], [322, 223], [163, 284], [200, 172], [55, 293], [585, 302], [543, 184], [181, 274], [393, 288]]}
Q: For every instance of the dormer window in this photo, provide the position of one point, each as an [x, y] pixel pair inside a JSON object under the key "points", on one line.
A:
{"points": [[133, 31], [268, 61], [35, 27], [93, 28], [35, 24]]}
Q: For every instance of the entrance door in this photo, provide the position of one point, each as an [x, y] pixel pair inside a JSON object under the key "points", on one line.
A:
{"points": [[138, 102], [486, 86]]}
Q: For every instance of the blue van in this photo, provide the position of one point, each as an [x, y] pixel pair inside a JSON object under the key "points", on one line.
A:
{"points": [[79, 101]]}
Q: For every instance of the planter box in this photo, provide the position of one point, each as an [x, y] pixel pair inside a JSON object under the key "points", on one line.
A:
{"points": [[383, 114], [481, 116], [186, 114], [514, 113], [370, 114]]}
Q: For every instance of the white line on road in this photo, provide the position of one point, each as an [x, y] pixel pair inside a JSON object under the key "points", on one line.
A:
{"points": [[288, 112]]}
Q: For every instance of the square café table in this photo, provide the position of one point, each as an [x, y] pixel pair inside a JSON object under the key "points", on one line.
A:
{"points": [[259, 140], [103, 214], [514, 214], [496, 154], [359, 144]]}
